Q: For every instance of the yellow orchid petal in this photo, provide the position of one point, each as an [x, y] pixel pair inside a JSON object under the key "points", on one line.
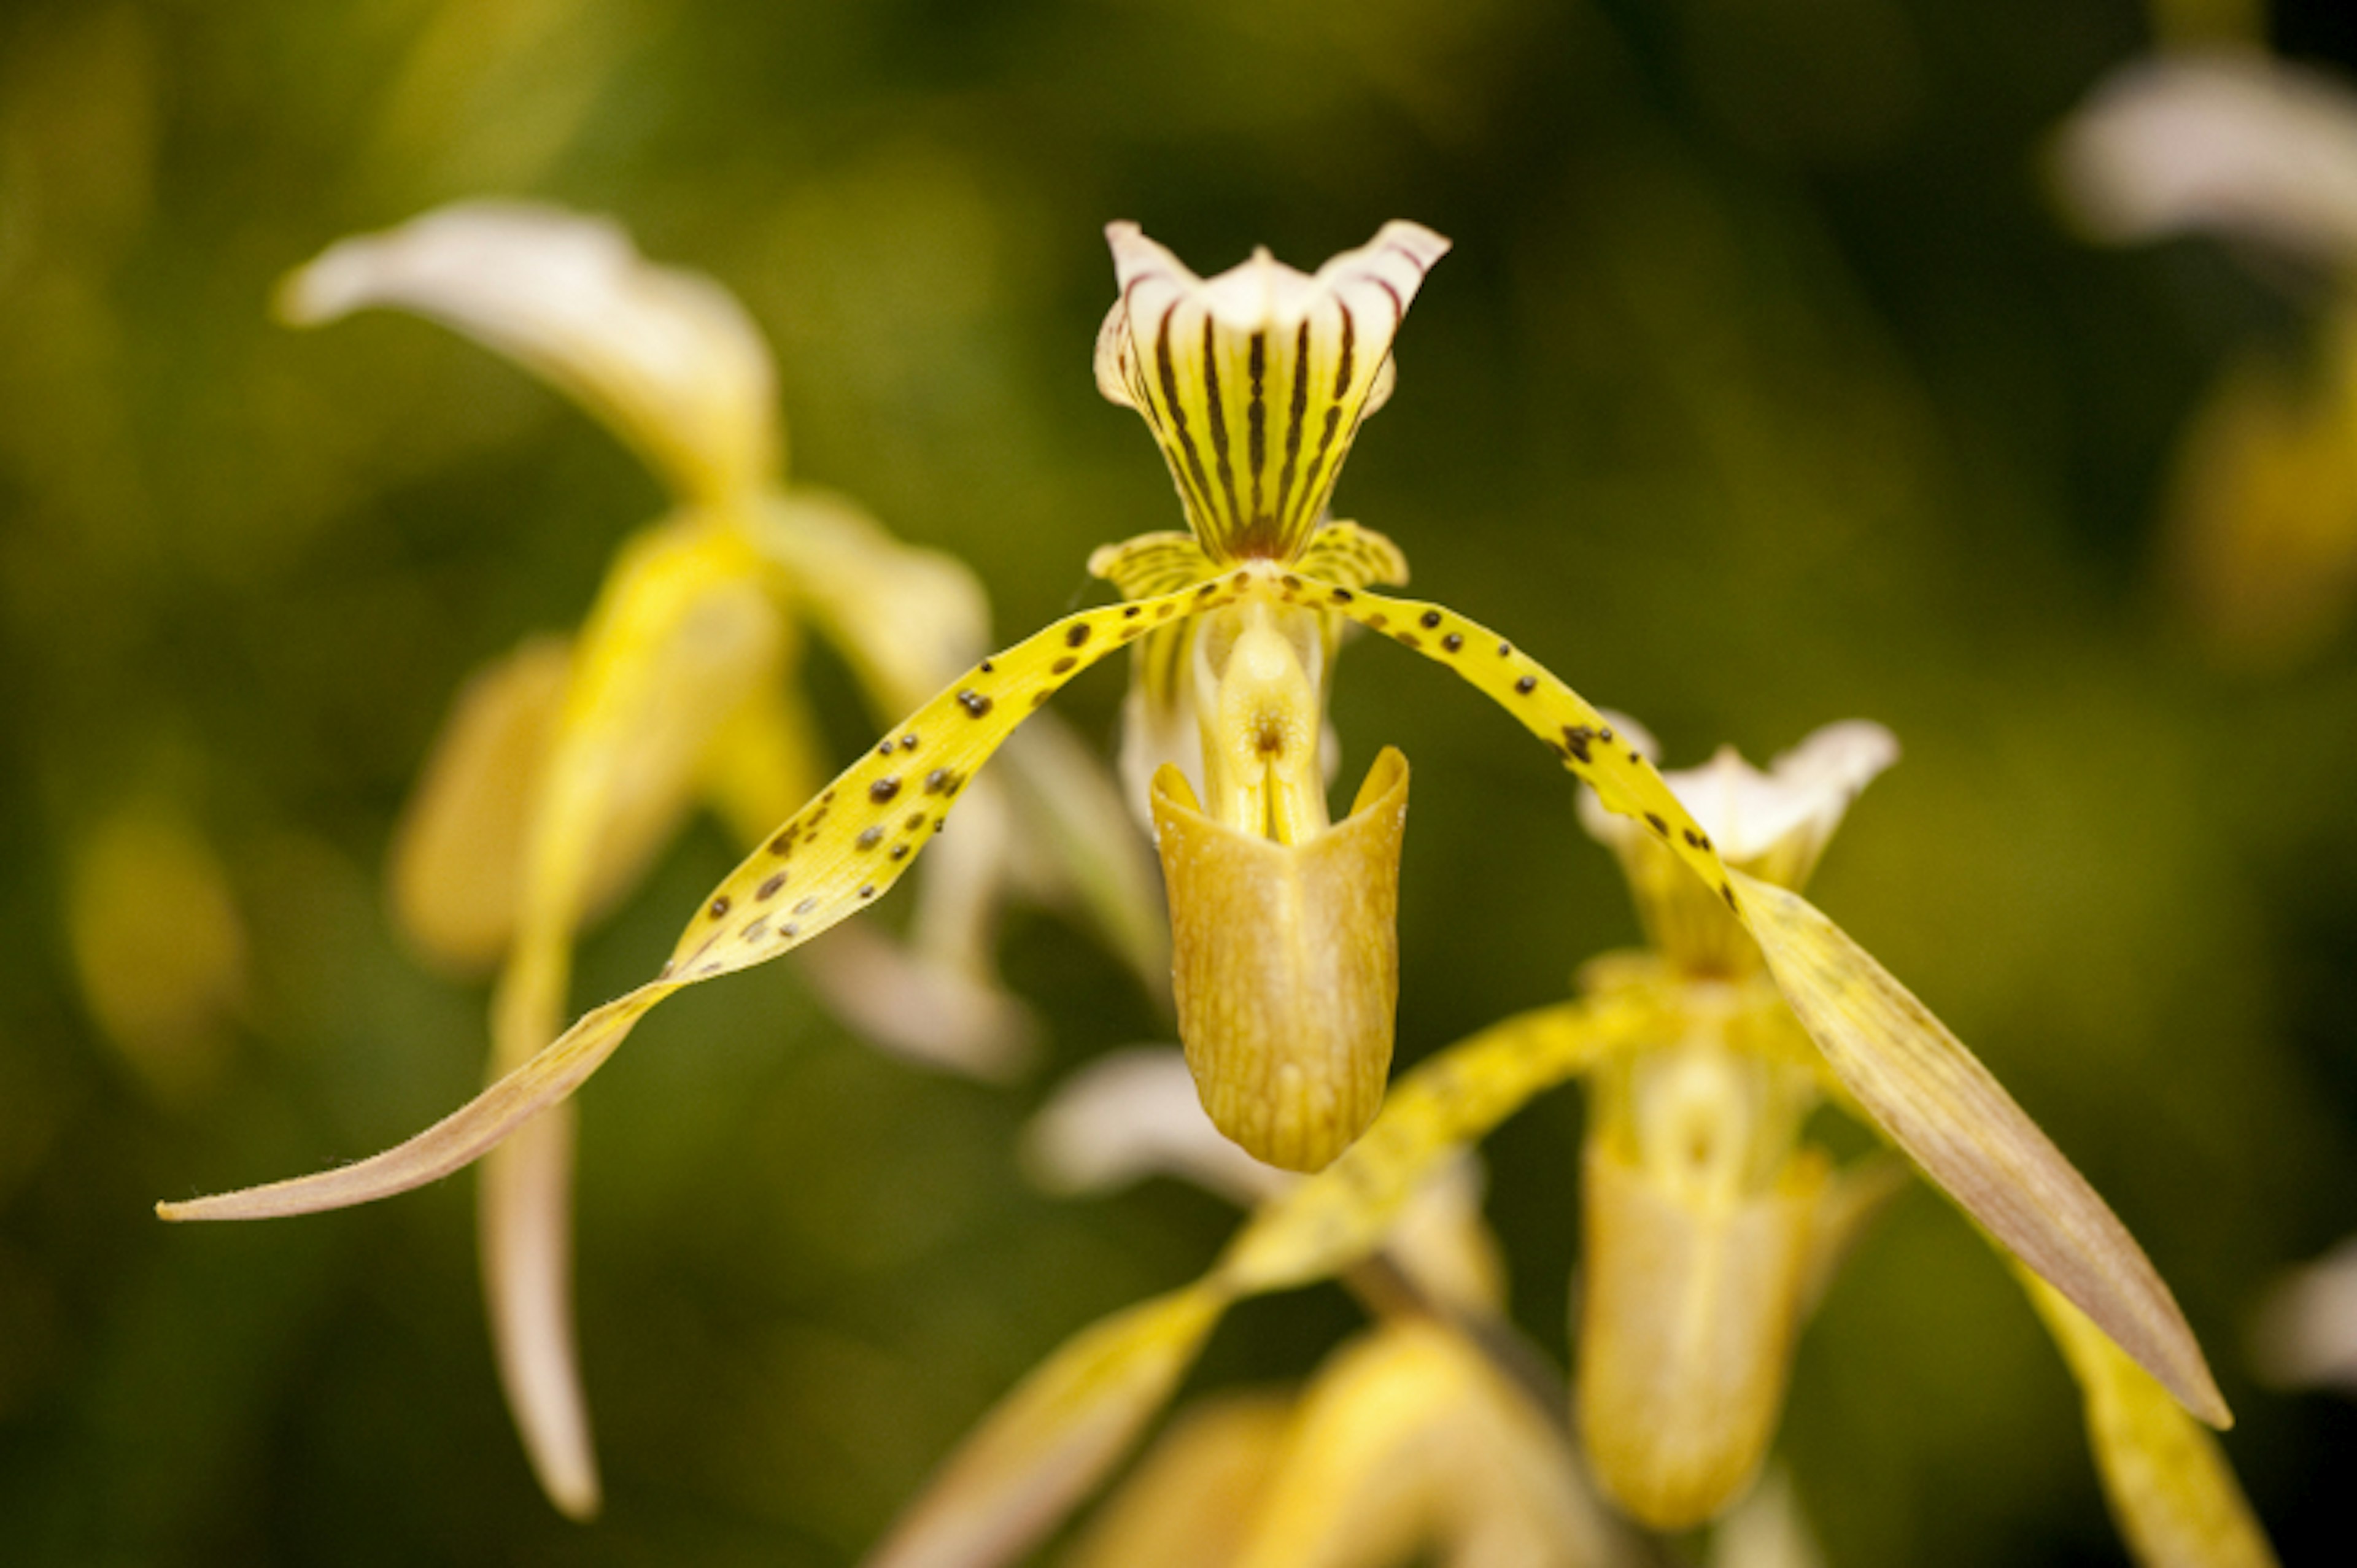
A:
{"points": [[1580, 736], [906, 617], [666, 359], [1254, 381], [1342, 1213], [1688, 1310], [1190, 1501], [1410, 1441], [1933, 1099], [2167, 1481], [456, 862], [1766, 1529], [820, 867], [1048, 1443], [1285, 966]]}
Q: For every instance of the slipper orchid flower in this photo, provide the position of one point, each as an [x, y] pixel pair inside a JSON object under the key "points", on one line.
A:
{"points": [[1254, 383]]}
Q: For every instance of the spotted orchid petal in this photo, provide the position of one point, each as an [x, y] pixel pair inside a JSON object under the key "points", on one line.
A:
{"points": [[2167, 1480], [1916, 1081], [832, 859], [1409, 1442], [666, 359], [1254, 381], [1932, 1098], [1051, 1442]]}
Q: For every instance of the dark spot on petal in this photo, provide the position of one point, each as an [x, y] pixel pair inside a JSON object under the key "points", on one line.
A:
{"points": [[869, 838], [1408, 640], [909, 741], [1527, 684], [807, 904], [885, 749], [720, 906], [784, 842], [1129, 612], [916, 819], [1341, 596], [1452, 642], [1041, 695], [939, 779], [827, 798], [1207, 590], [1505, 650], [1431, 619], [899, 852], [988, 667], [768, 889], [1605, 735], [1700, 841], [1066, 663], [975, 703], [788, 932], [1078, 635], [1658, 825], [1578, 736], [1290, 581], [1726, 891], [1377, 622], [868, 891], [883, 790]]}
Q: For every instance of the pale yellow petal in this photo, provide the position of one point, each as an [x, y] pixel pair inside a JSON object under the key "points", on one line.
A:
{"points": [[1933, 1099], [1188, 1502], [922, 1009], [820, 867], [457, 1140], [456, 868], [1050, 1441], [1766, 1529], [1409, 1441], [2168, 1480], [1687, 1314], [667, 358], [524, 1215]]}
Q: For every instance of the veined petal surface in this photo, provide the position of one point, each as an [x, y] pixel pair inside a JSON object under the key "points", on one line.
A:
{"points": [[1254, 381]]}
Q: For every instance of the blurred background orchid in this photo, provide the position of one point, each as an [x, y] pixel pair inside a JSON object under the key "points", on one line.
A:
{"points": [[1767, 382]]}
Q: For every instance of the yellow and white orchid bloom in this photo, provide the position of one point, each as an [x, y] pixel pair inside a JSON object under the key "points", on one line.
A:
{"points": [[567, 765], [1255, 383]]}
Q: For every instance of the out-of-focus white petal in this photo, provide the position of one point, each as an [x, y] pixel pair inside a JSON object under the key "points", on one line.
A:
{"points": [[667, 358], [1766, 1529], [2231, 144], [2306, 1335], [1134, 1114]]}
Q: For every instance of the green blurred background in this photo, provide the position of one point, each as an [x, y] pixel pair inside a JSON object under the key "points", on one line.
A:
{"points": [[1763, 388]]}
